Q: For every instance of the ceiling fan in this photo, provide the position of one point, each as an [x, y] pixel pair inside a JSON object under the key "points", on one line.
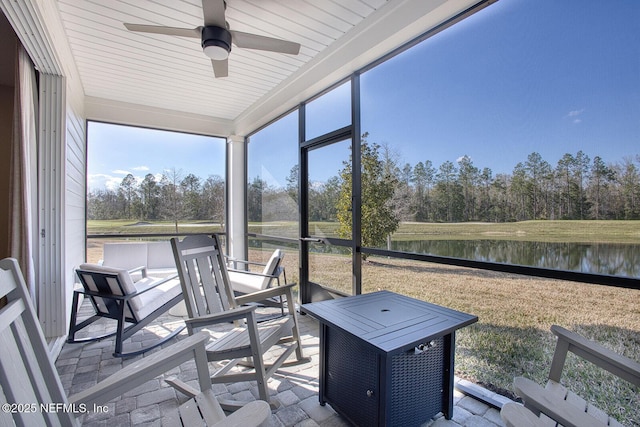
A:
{"points": [[217, 37]]}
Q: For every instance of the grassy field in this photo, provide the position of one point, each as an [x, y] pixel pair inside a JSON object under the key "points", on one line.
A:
{"points": [[123, 226], [512, 337], [538, 231]]}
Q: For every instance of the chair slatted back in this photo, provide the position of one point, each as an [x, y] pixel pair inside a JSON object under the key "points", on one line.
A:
{"points": [[203, 275], [271, 267], [116, 283], [27, 374]]}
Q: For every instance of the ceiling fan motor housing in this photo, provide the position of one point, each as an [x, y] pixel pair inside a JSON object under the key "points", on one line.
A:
{"points": [[216, 36]]}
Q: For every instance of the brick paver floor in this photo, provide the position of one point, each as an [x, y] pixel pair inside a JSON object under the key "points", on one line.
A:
{"points": [[294, 388]]}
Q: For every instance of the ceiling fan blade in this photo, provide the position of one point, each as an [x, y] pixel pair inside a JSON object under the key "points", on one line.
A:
{"points": [[213, 11], [254, 41], [220, 68], [170, 31]]}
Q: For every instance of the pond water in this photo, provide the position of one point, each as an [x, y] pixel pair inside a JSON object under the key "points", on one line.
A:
{"points": [[599, 258]]}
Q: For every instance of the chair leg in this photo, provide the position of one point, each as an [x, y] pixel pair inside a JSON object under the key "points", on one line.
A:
{"points": [[119, 329], [261, 379], [295, 331], [74, 318], [124, 333], [75, 327], [74, 314]]}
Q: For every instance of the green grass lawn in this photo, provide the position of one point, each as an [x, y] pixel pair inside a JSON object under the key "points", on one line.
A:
{"points": [[121, 226], [538, 231], [541, 231], [512, 337]]}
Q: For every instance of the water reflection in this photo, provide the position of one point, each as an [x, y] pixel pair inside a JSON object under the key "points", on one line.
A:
{"points": [[598, 258]]}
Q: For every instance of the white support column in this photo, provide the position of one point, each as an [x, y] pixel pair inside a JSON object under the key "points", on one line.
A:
{"points": [[236, 189]]}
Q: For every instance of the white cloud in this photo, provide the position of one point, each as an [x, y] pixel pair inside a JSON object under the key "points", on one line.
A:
{"points": [[461, 158], [141, 168], [103, 181], [113, 181], [573, 115]]}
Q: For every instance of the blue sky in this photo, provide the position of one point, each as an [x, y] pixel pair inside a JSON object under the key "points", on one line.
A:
{"points": [[115, 151], [550, 76]]}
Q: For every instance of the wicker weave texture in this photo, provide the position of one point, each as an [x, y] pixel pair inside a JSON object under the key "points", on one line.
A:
{"points": [[352, 384], [417, 385], [351, 370]]}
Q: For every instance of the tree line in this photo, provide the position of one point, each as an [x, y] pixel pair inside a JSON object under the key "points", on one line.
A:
{"points": [[174, 197], [576, 187]]}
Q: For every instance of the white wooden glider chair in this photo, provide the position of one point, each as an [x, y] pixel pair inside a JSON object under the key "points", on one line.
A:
{"points": [[114, 295], [28, 377], [555, 404], [210, 301]]}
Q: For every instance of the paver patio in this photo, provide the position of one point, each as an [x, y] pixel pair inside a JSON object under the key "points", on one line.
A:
{"points": [[294, 388]]}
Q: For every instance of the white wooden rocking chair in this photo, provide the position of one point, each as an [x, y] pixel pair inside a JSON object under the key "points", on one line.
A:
{"points": [[29, 382], [210, 300]]}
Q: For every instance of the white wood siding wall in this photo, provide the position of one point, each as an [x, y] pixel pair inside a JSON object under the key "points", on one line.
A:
{"points": [[75, 199], [49, 272]]}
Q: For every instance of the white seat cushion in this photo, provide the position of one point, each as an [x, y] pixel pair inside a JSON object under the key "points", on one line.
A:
{"points": [[144, 304], [249, 283], [245, 283]]}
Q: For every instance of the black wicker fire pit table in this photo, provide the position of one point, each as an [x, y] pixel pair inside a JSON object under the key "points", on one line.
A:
{"points": [[387, 359]]}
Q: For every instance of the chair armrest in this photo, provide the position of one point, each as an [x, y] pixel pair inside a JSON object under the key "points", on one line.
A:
{"points": [[595, 353], [143, 370], [242, 261], [142, 269], [156, 284], [515, 415], [540, 400], [252, 273], [266, 293], [251, 414], [223, 317]]}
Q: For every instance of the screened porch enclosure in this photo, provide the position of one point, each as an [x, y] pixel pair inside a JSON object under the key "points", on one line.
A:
{"points": [[411, 147]]}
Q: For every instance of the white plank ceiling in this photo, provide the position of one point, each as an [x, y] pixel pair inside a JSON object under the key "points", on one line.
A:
{"points": [[172, 73]]}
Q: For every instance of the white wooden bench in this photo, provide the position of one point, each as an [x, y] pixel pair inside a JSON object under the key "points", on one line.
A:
{"points": [[555, 404]]}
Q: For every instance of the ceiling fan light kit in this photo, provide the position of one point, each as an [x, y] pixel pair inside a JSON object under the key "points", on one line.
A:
{"points": [[216, 42], [217, 37]]}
